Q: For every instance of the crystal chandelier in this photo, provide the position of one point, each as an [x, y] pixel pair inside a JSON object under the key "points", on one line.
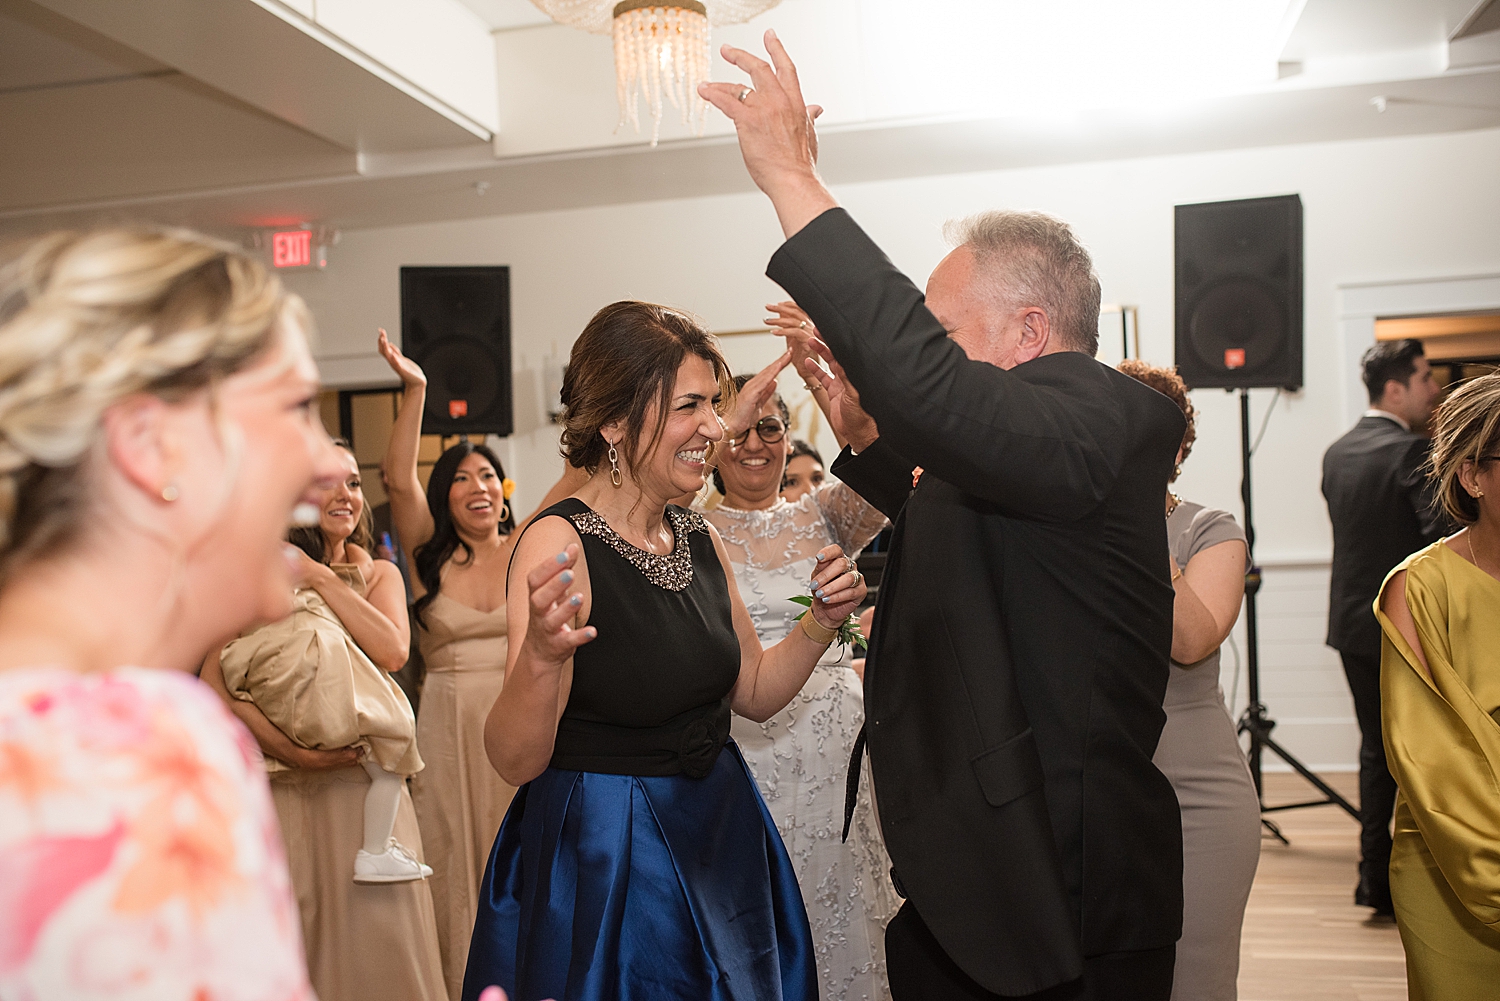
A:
{"points": [[661, 49]]}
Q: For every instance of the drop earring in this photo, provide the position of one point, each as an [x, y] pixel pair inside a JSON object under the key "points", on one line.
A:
{"points": [[614, 467]]}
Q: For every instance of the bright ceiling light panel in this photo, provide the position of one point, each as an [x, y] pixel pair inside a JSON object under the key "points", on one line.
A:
{"points": [[1019, 57]]}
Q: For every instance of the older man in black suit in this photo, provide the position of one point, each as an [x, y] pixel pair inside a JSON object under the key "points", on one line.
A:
{"points": [[1022, 637], [1382, 511]]}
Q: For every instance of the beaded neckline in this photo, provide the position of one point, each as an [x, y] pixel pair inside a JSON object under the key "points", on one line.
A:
{"points": [[672, 572]]}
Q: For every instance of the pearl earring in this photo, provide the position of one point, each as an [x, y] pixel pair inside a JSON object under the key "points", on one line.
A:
{"points": [[170, 493]]}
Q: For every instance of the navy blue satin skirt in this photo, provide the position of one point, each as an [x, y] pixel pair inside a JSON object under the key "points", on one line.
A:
{"points": [[634, 888]]}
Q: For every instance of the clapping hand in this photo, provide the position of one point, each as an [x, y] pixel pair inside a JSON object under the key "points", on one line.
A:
{"points": [[410, 372], [550, 637]]}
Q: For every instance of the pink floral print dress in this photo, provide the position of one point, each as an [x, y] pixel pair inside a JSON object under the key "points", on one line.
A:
{"points": [[139, 854]]}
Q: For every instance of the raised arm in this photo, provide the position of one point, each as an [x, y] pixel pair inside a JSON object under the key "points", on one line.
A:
{"points": [[853, 520], [1047, 445], [770, 678], [1033, 450], [409, 511], [791, 322]]}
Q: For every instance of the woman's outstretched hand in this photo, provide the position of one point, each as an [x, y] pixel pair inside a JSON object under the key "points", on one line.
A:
{"points": [[550, 637], [752, 397], [789, 321], [410, 372], [838, 587]]}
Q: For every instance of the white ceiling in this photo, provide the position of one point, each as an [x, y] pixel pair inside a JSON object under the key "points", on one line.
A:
{"points": [[503, 14], [941, 96]]}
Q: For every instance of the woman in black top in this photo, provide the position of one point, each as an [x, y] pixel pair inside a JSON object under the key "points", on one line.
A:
{"points": [[637, 860]]}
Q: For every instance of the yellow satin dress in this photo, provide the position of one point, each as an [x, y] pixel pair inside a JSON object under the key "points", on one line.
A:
{"points": [[1442, 741]]}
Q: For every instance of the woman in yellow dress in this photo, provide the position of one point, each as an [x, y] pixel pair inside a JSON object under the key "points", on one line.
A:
{"points": [[1439, 613]]}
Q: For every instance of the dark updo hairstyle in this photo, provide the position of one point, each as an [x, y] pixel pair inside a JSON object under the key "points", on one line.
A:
{"points": [[1168, 383], [781, 407], [311, 540], [625, 360], [800, 447], [432, 555], [1465, 428]]}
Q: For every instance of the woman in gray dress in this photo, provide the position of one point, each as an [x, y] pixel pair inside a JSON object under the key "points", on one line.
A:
{"points": [[1199, 751]]}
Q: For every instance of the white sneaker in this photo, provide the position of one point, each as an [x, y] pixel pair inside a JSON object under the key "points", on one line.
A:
{"points": [[394, 865]]}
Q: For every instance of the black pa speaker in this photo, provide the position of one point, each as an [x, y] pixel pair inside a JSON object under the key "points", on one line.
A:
{"points": [[1239, 293], [455, 323]]}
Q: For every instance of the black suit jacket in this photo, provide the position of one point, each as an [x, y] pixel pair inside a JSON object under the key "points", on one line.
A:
{"points": [[1382, 510], [1021, 641]]}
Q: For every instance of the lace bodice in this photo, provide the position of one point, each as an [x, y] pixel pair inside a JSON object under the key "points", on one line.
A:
{"points": [[800, 755], [773, 550]]}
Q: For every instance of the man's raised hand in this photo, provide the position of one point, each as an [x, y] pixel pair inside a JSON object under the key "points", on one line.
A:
{"points": [[850, 421], [776, 133]]}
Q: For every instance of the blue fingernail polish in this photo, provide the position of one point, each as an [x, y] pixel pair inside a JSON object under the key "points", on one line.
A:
{"points": [[566, 576], [821, 557], [576, 600], [562, 557], [818, 593]]}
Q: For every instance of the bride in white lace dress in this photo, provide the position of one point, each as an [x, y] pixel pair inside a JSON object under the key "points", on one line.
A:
{"points": [[801, 755]]}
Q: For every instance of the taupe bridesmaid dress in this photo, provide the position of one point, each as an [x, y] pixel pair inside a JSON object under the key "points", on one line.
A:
{"points": [[460, 799], [1201, 756], [363, 942]]}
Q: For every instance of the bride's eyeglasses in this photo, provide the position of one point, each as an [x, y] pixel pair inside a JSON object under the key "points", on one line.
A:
{"points": [[770, 429]]}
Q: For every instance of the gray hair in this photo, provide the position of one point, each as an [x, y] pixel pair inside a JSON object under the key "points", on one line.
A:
{"points": [[1033, 259]]}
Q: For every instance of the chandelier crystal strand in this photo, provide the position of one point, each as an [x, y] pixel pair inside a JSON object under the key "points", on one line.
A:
{"points": [[660, 45], [661, 54]]}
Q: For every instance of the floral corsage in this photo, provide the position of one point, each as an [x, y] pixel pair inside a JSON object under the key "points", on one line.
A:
{"points": [[849, 633]]}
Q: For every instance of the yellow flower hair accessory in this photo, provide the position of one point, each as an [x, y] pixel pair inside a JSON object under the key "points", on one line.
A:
{"points": [[507, 487]]}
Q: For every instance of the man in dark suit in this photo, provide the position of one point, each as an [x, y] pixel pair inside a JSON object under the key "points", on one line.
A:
{"points": [[1382, 511], [1022, 636]]}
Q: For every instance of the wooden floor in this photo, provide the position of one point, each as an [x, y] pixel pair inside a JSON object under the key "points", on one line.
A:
{"points": [[1304, 939]]}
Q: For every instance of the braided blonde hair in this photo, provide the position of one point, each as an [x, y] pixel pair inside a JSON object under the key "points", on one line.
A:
{"points": [[88, 319]]}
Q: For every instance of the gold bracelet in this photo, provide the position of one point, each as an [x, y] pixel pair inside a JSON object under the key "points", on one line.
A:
{"points": [[816, 631]]}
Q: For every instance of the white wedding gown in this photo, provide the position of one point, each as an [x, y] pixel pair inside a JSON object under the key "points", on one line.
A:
{"points": [[800, 756]]}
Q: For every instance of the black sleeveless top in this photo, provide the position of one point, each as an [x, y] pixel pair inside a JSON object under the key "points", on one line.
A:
{"points": [[650, 692]]}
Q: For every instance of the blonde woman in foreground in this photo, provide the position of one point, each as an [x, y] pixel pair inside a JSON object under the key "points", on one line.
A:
{"points": [[158, 424], [1439, 615]]}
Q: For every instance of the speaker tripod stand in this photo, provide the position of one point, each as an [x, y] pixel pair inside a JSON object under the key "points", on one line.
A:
{"points": [[1255, 721]]}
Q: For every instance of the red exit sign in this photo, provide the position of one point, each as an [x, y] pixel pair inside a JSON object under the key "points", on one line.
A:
{"points": [[292, 248]]}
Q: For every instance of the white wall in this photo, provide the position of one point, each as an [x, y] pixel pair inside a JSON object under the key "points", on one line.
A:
{"points": [[1376, 210]]}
